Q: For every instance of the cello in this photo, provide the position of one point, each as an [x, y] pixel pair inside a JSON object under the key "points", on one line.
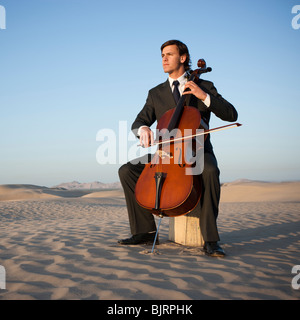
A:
{"points": [[163, 187]]}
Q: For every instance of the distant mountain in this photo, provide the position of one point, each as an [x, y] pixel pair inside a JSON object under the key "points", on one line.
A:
{"points": [[75, 185], [243, 181]]}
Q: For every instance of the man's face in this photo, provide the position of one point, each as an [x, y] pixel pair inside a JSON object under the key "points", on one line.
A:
{"points": [[171, 60]]}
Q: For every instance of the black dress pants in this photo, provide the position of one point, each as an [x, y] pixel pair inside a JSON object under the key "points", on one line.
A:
{"points": [[142, 221]]}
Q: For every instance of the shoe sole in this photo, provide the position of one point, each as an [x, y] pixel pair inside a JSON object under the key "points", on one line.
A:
{"points": [[215, 255]]}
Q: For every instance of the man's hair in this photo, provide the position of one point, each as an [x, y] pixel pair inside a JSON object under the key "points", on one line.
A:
{"points": [[182, 48]]}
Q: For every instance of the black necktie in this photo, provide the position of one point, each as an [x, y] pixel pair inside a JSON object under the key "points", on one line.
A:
{"points": [[176, 93]]}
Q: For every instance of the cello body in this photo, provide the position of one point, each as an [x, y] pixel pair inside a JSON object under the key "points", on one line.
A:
{"points": [[164, 187]]}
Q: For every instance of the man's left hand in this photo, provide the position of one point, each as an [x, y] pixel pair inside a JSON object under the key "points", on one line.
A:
{"points": [[195, 90]]}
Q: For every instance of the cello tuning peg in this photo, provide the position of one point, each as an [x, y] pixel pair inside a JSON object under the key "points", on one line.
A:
{"points": [[201, 64]]}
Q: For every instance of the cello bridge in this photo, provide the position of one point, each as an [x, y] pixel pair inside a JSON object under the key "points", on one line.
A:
{"points": [[163, 154]]}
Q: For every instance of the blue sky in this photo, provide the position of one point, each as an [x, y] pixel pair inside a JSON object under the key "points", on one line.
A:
{"points": [[69, 68]]}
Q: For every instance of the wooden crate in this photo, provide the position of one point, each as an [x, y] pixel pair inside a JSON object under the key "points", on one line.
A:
{"points": [[186, 230]]}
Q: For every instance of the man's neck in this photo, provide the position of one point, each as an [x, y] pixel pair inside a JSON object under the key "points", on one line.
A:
{"points": [[177, 74], [181, 77]]}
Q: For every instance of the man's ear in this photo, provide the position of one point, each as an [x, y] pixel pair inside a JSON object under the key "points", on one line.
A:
{"points": [[183, 58]]}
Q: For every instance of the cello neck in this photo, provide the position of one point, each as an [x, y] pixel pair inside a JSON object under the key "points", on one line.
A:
{"points": [[179, 109]]}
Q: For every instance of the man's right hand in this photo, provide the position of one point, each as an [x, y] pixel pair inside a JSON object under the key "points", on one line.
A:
{"points": [[146, 137]]}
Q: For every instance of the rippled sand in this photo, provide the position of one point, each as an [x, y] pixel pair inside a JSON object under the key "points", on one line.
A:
{"points": [[66, 248]]}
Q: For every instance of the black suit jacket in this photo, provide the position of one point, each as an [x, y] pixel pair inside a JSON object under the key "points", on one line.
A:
{"points": [[160, 99]]}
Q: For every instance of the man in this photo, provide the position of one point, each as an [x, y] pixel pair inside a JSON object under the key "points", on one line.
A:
{"points": [[204, 96]]}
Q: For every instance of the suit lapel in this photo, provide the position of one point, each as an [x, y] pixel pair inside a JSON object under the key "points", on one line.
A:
{"points": [[167, 96]]}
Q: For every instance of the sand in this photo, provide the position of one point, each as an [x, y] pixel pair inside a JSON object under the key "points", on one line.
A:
{"points": [[58, 244]]}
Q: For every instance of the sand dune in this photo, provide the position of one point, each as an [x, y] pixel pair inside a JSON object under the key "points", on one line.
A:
{"points": [[105, 194], [236, 191], [26, 191], [65, 246], [249, 191], [21, 192]]}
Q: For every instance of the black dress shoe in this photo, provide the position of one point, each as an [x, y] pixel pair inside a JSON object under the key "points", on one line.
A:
{"points": [[213, 249], [140, 238]]}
